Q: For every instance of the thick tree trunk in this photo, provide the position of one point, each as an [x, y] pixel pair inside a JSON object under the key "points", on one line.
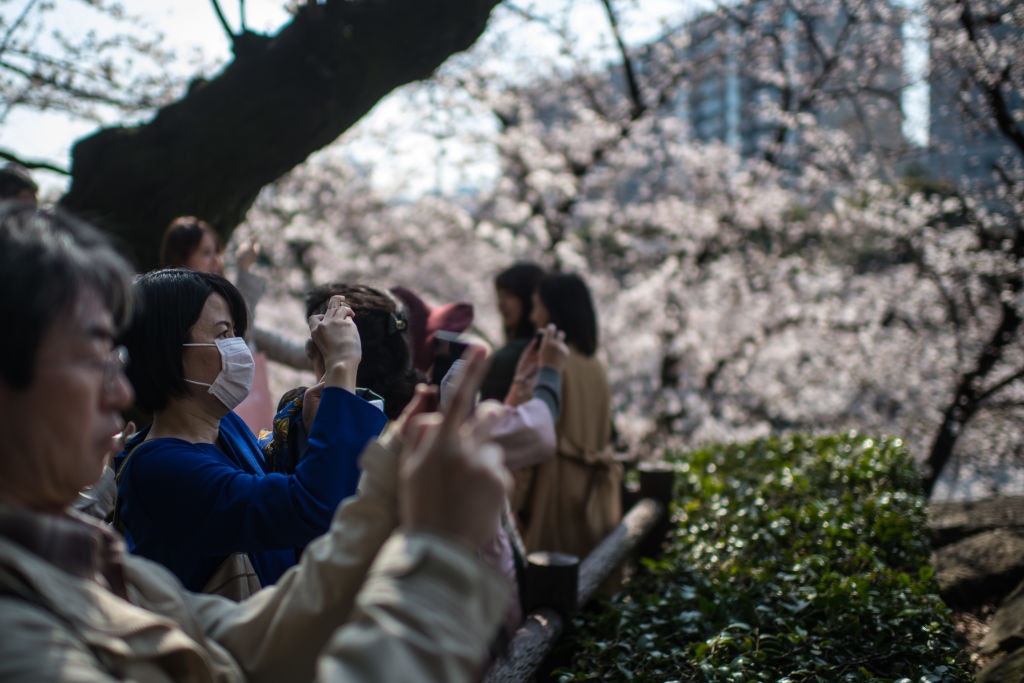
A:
{"points": [[282, 98]]}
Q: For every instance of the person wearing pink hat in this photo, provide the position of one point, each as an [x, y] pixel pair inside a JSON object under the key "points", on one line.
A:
{"points": [[425, 321]]}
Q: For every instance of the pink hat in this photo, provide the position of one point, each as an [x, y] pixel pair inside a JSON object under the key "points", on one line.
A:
{"points": [[425, 320]]}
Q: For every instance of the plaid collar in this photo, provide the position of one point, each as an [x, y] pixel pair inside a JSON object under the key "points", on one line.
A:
{"points": [[71, 542]]}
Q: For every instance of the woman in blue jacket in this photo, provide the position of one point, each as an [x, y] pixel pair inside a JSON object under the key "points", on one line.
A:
{"points": [[193, 488]]}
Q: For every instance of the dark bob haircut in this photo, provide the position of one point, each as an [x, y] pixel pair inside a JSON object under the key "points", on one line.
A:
{"points": [[571, 308], [46, 260], [386, 365], [167, 304], [182, 237], [519, 280]]}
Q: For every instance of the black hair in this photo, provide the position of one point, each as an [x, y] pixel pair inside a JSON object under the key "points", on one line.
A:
{"points": [[182, 238], [15, 179], [168, 304], [47, 258], [386, 365], [519, 280], [571, 309]]}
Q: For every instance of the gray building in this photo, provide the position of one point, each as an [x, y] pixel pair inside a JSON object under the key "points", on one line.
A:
{"points": [[965, 148], [757, 65]]}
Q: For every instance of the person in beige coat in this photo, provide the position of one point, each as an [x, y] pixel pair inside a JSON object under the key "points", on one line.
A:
{"points": [[367, 602], [570, 503]]}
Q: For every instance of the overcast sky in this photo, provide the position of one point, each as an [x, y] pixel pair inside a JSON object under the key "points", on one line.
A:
{"points": [[191, 27], [188, 26]]}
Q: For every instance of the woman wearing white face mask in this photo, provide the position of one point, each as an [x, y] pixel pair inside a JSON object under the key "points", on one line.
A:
{"points": [[193, 490]]}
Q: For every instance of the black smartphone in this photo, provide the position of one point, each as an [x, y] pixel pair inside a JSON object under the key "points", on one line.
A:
{"points": [[448, 348]]}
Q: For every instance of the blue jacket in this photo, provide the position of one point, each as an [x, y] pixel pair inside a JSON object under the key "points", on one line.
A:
{"points": [[188, 506]]}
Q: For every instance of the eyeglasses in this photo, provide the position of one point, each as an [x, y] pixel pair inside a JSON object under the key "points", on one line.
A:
{"points": [[114, 367]]}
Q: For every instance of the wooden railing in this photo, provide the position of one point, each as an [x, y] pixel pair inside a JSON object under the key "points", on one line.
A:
{"points": [[556, 585]]}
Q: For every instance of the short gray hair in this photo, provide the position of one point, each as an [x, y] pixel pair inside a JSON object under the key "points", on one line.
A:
{"points": [[46, 259]]}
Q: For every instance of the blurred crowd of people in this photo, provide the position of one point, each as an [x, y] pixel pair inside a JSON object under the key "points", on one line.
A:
{"points": [[373, 524]]}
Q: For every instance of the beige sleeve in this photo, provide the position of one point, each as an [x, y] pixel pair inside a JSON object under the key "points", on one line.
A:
{"points": [[39, 646], [277, 634], [428, 612]]}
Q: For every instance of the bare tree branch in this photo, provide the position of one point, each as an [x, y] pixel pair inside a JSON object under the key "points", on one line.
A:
{"points": [[984, 396], [13, 28], [629, 70], [33, 165], [223, 21]]}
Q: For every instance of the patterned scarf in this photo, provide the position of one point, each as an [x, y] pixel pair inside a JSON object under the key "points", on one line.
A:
{"points": [[73, 543], [280, 447]]}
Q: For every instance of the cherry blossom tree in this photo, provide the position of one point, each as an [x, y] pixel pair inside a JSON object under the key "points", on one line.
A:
{"points": [[802, 268], [816, 278], [211, 149], [975, 49]]}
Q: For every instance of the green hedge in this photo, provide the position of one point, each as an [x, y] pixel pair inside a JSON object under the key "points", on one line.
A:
{"points": [[797, 559]]}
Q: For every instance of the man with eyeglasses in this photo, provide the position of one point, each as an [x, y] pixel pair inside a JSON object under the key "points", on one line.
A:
{"points": [[74, 606]]}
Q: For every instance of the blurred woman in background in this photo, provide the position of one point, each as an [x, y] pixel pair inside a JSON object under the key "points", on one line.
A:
{"points": [[514, 288], [571, 502]]}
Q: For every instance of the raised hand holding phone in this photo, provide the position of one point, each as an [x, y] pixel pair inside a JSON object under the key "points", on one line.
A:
{"points": [[552, 350], [337, 338], [452, 478]]}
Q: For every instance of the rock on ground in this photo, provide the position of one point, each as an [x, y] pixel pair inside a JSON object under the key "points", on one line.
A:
{"points": [[979, 561]]}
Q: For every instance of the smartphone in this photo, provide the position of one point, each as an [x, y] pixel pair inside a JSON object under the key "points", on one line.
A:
{"points": [[448, 348], [452, 343]]}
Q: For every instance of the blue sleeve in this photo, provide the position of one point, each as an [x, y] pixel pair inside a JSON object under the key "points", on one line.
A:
{"points": [[198, 493], [344, 425]]}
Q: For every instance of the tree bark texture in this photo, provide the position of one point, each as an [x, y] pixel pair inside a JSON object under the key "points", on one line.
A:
{"points": [[281, 98]]}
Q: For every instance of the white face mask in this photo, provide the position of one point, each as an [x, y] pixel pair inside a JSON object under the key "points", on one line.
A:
{"points": [[237, 370]]}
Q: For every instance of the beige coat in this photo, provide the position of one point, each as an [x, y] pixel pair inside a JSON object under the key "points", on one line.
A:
{"points": [[573, 501], [427, 611]]}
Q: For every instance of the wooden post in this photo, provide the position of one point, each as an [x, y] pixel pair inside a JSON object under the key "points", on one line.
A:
{"points": [[551, 581], [533, 642], [657, 481], [630, 495], [617, 547], [535, 638]]}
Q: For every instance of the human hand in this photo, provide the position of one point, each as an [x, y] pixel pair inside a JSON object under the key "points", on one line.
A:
{"points": [[525, 375], [451, 378], [246, 254], [121, 440], [452, 479], [127, 433], [336, 336], [528, 364], [553, 350]]}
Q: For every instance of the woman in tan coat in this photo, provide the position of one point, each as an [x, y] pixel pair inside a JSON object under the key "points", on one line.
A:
{"points": [[570, 503]]}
